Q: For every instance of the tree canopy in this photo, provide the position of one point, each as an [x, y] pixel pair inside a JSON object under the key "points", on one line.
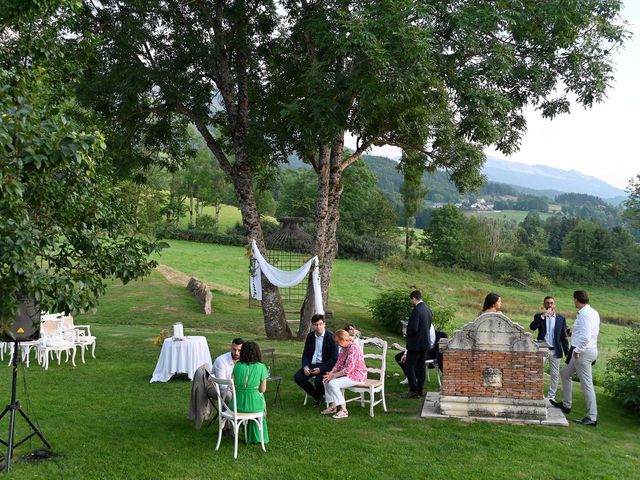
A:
{"points": [[64, 228]]}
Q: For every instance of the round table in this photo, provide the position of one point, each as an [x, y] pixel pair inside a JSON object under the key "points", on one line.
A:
{"points": [[181, 356]]}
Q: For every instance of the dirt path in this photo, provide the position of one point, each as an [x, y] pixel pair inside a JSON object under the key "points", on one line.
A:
{"points": [[175, 277]]}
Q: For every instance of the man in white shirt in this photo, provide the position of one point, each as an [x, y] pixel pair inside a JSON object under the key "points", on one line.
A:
{"points": [[223, 365], [584, 352]]}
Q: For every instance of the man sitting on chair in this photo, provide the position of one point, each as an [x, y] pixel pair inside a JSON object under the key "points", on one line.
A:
{"points": [[318, 357], [223, 365]]}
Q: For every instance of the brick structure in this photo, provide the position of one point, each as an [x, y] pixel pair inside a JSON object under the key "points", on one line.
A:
{"points": [[493, 368]]}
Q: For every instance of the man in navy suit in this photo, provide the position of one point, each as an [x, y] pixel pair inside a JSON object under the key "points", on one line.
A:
{"points": [[418, 344], [318, 357], [552, 328]]}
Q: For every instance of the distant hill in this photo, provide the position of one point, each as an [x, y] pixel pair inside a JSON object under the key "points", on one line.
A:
{"points": [[549, 180], [523, 178]]}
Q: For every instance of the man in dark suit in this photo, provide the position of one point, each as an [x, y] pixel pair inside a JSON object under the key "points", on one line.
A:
{"points": [[318, 357], [418, 344], [552, 328]]}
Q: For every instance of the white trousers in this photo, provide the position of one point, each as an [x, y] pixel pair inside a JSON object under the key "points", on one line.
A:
{"points": [[554, 372], [333, 389], [582, 368]]}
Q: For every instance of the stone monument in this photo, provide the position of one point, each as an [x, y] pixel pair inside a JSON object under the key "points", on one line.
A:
{"points": [[493, 369]]}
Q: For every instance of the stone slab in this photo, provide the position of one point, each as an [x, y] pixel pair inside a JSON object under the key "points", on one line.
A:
{"points": [[431, 409]]}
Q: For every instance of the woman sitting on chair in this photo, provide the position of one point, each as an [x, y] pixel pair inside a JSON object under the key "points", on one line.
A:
{"points": [[250, 378], [348, 371]]}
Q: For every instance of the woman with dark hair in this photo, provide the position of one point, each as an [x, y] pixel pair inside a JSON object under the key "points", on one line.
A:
{"points": [[492, 303], [250, 378]]}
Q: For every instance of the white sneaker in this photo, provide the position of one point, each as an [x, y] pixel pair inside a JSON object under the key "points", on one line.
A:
{"points": [[405, 382]]}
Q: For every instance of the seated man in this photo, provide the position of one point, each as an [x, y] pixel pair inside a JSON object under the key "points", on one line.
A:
{"points": [[318, 357], [223, 365]]}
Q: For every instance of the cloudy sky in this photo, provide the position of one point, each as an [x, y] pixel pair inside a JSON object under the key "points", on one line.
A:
{"points": [[601, 141]]}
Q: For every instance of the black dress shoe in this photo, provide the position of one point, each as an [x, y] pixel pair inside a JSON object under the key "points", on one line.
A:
{"points": [[319, 401], [411, 395], [560, 405], [587, 421]]}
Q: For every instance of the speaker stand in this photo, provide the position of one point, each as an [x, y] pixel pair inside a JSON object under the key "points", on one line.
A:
{"points": [[14, 407]]}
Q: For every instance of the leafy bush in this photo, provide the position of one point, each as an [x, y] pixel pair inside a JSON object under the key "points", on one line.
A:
{"points": [[364, 247], [623, 371], [392, 307], [206, 223], [511, 266], [539, 281]]}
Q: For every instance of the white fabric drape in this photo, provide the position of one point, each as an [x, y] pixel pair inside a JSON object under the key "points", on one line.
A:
{"points": [[284, 278]]}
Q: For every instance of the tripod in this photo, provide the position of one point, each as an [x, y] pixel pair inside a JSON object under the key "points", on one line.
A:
{"points": [[12, 408]]}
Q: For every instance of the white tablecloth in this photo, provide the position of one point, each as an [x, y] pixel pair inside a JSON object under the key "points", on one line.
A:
{"points": [[181, 356]]}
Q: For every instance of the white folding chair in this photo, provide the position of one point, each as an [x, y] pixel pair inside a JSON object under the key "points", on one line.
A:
{"points": [[372, 385], [52, 341], [229, 413], [79, 334]]}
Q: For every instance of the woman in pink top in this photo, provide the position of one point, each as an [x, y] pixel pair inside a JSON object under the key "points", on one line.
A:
{"points": [[348, 371]]}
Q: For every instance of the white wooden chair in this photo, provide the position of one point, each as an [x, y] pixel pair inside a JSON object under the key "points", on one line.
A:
{"points": [[79, 334], [52, 341], [376, 384], [229, 413]]}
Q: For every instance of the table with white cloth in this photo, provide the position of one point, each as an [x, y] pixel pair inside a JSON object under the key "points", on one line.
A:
{"points": [[181, 356]]}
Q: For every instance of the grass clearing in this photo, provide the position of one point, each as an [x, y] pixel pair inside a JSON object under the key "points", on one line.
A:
{"points": [[108, 422]]}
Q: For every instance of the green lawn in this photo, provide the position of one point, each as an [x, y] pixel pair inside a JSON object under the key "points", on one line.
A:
{"points": [[106, 421], [517, 215]]}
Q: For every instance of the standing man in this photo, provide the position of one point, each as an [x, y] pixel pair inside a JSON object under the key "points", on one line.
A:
{"points": [[552, 328], [318, 357], [584, 352], [418, 343]]}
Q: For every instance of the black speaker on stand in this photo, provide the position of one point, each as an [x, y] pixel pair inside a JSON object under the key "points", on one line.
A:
{"points": [[26, 327]]}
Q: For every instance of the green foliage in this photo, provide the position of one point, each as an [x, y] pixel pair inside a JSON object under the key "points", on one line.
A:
{"points": [[206, 223], [444, 236], [64, 225], [391, 307], [632, 204], [588, 245], [511, 266], [530, 235], [623, 371]]}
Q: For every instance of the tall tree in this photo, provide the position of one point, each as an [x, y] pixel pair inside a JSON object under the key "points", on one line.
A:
{"points": [[413, 192], [632, 204], [437, 77], [160, 64]]}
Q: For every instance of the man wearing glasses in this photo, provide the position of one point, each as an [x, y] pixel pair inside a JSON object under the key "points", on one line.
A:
{"points": [[552, 328]]}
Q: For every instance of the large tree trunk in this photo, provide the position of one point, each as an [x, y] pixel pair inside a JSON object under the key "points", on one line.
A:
{"points": [[327, 217], [275, 323]]}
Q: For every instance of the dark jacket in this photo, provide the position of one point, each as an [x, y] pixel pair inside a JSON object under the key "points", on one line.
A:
{"points": [[418, 328], [560, 340], [329, 351]]}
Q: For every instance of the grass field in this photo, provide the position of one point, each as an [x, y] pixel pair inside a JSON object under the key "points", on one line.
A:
{"points": [[107, 421], [517, 215]]}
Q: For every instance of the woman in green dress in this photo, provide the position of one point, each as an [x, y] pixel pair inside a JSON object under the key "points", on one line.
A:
{"points": [[250, 378]]}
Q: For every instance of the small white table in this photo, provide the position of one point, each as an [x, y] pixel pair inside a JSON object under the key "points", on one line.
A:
{"points": [[181, 356]]}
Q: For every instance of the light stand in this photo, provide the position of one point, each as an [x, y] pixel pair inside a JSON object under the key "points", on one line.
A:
{"points": [[12, 408]]}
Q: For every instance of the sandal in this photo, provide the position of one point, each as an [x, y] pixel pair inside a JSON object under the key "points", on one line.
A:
{"points": [[329, 411], [341, 414]]}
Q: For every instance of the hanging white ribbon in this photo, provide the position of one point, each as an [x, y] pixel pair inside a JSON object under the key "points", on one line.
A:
{"points": [[284, 278]]}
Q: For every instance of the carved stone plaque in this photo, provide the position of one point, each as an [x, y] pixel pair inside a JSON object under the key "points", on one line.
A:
{"points": [[492, 377]]}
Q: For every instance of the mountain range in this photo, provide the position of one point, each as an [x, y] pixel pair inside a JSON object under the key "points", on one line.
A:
{"points": [[530, 179], [540, 178]]}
